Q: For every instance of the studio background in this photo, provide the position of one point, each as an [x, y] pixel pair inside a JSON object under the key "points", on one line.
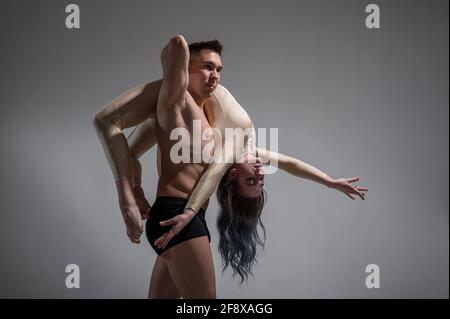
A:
{"points": [[348, 100]]}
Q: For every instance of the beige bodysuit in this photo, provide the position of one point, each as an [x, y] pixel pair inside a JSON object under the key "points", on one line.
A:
{"points": [[138, 105]]}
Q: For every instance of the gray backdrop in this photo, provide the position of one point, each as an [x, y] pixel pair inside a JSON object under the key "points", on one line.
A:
{"points": [[349, 100]]}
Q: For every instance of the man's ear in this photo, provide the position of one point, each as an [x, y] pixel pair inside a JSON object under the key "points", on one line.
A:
{"points": [[232, 174]]}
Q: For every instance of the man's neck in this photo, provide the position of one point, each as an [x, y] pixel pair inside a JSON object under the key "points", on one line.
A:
{"points": [[200, 100]]}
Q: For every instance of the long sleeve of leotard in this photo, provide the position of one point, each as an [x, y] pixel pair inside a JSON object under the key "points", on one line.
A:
{"points": [[234, 116], [206, 185], [128, 110], [294, 166]]}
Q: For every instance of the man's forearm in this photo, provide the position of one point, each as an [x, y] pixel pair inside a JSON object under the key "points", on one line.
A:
{"points": [[140, 141], [136, 172]]}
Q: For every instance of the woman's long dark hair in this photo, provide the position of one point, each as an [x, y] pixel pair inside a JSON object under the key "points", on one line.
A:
{"points": [[237, 224]]}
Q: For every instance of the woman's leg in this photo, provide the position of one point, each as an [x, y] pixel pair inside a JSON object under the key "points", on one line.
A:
{"points": [[161, 283], [191, 266]]}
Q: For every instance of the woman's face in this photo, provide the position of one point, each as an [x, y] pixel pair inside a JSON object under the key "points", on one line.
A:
{"points": [[250, 176]]}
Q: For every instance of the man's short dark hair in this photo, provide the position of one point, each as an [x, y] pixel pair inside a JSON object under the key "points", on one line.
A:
{"points": [[213, 45]]}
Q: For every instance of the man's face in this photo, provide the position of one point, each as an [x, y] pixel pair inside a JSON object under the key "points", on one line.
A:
{"points": [[250, 177], [204, 73]]}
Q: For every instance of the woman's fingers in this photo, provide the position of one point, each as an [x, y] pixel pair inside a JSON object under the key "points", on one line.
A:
{"points": [[349, 196], [177, 223], [345, 186], [145, 212], [361, 189], [156, 243], [137, 235], [143, 207], [357, 189], [135, 231], [162, 241], [134, 237], [167, 222], [168, 238], [360, 194]]}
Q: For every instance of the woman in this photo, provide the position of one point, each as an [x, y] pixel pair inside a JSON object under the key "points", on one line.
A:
{"points": [[237, 244]]}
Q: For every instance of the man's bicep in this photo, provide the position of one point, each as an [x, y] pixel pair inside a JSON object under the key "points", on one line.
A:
{"points": [[175, 61]]}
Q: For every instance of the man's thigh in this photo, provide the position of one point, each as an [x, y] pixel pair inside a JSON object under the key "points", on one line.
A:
{"points": [[161, 283], [191, 266]]}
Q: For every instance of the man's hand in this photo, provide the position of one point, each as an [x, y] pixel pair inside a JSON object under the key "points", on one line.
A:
{"points": [[141, 201], [343, 185], [133, 222], [178, 222]]}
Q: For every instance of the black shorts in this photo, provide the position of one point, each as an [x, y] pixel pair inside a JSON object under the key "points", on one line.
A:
{"points": [[165, 208]]}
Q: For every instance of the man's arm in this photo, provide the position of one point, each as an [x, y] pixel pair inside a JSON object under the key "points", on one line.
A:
{"points": [[140, 141], [175, 61], [294, 166]]}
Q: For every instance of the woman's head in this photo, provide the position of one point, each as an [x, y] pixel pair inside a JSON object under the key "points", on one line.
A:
{"points": [[241, 199], [249, 176]]}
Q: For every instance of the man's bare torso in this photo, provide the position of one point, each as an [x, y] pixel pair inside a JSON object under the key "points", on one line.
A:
{"points": [[220, 111], [179, 179]]}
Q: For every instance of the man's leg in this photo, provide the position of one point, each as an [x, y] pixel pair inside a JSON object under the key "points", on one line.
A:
{"points": [[161, 283], [191, 266]]}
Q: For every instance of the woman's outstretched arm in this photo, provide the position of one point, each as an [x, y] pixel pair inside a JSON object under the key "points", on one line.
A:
{"points": [[301, 169]]}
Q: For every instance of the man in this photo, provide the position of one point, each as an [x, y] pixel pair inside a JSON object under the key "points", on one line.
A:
{"points": [[179, 97], [140, 103]]}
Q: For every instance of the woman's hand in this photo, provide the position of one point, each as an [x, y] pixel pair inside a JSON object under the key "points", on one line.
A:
{"points": [[343, 185], [141, 201], [178, 222], [133, 222]]}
